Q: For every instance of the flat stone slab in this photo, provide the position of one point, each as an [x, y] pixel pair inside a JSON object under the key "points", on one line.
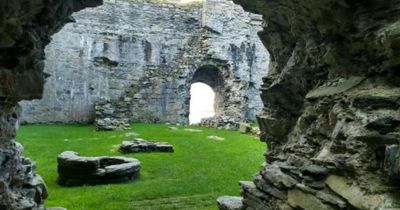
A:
{"points": [[141, 145], [332, 89], [74, 170], [215, 138], [193, 130]]}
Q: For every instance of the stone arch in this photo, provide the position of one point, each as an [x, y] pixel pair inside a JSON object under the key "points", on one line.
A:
{"points": [[229, 101]]}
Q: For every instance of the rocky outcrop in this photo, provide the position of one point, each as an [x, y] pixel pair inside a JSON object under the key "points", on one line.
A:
{"points": [[25, 29], [145, 61], [75, 170], [141, 145], [331, 115]]}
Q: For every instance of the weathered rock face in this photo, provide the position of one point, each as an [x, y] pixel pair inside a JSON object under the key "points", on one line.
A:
{"points": [[331, 115], [143, 57], [25, 29]]}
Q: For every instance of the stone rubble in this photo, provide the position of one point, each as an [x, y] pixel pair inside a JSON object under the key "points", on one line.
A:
{"points": [[141, 145]]}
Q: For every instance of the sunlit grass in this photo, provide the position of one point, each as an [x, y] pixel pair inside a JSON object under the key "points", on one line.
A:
{"points": [[192, 177]]}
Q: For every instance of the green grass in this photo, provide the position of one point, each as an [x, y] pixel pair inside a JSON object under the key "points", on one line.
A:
{"points": [[192, 177]]}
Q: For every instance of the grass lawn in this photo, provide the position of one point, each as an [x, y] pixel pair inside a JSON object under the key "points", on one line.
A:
{"points": [[192, 177]]}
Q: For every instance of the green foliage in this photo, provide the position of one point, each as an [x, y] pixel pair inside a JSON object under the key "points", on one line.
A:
{"points": [[193, 177]]}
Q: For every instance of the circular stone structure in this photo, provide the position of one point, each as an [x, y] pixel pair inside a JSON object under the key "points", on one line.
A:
{"points": [[75, 170]]}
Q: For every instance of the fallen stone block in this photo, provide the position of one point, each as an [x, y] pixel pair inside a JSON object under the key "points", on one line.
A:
{"points": [[141, 145]]}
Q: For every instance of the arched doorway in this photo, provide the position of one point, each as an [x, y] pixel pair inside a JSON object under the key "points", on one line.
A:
{"points": [[202, 99], [206, 93]]}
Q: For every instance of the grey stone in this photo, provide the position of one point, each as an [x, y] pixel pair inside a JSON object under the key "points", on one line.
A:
{"points": [[244, 128], [141, 145], [25, 29], [371, 102], [379, 139], [320, 95], [76, 170], [300, 199], [230, 203], [392, 161], [384, 125], [216, 138], [269, 188], [192, 130], [276, 177], [144, 64], [332, 199], [336, 87], [250, 188], [353, 194], [324, 42], [315, 171]]}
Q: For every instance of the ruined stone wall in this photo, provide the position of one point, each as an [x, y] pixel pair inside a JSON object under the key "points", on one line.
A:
{"points": [[25, 29], [332, 106], [141, 57]]}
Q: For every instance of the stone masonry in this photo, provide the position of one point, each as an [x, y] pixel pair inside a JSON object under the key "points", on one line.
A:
{"points": [[143, 57], [331, 102], [331, 114]]}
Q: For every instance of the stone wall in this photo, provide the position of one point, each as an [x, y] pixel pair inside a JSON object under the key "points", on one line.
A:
{"points": [[146, 55], [25, 29], [331, 116]]}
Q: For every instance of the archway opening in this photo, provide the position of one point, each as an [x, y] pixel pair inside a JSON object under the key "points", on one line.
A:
{"points": [[202, 99]]}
